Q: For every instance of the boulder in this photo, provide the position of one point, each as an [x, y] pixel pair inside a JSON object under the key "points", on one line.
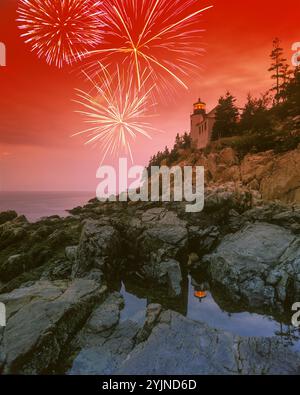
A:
{"points": [[41, 320], [104, 342], [181, 346], [6, 216], [160, 246], [58, 270], [167, 232], [102, 355], [107, 315], [12, 232], [71, 253], [98, 247], [283, 182], [256, 167], [15, 265], [202, 241], [231, 174], [247, 262], [228, 156]]}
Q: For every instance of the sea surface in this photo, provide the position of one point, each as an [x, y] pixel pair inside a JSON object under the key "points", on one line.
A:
{"points": [[35, 205]]}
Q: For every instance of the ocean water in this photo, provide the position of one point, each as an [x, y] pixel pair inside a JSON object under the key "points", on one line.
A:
{"points": [[35, 205]]}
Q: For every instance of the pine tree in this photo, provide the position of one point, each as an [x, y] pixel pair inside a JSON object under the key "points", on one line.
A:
{"points": [[177, 141], [292, 94], [255, 115], [166, 152], [279, 69], [186, 141], [226, 117], [286, 73]]}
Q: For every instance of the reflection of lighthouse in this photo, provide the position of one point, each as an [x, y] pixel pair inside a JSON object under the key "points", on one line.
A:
{"points": [[200, 295], [200, 290]]}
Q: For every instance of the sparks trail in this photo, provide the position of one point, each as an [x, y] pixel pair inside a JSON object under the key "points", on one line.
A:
{"points": [[156, 36], [115, 112], [61, 30]]}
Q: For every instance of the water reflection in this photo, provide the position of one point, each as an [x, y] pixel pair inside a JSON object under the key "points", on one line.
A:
{"points": [[135, 307], [200, 290], [198, 303]]}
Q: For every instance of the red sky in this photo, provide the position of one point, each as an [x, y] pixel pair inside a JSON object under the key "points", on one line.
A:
{"points": [[37, 113]]}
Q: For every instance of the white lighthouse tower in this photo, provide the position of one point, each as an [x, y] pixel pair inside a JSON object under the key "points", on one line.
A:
{"points": [[201, 124]]}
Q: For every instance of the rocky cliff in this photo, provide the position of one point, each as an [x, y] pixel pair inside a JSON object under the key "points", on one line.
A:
{"points": [[269, 176]]}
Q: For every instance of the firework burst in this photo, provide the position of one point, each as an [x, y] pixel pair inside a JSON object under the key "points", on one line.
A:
{"points": [[161, 37], [61, 30], [115, 111]]}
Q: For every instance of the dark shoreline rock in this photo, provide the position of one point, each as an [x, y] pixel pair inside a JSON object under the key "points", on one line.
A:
{"points": [[258, 265], [178, 345], [6, 216], [54, 276], [41, 320]]}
